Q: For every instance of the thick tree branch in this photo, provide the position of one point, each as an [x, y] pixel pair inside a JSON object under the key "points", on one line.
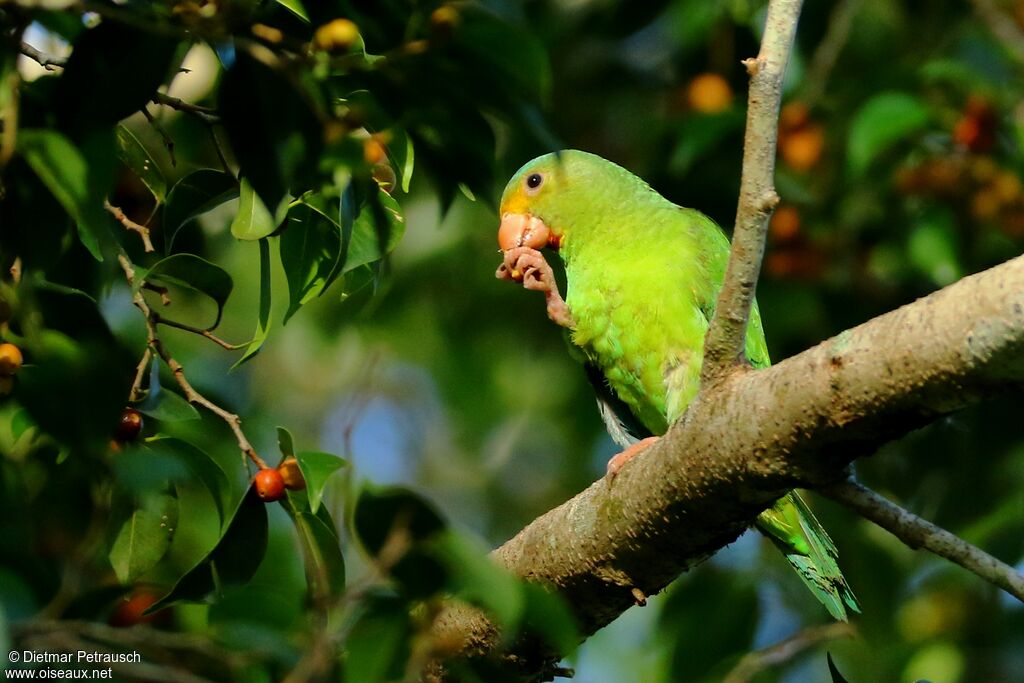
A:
{"points": [[726, 336], [920, 533], [754, 435]]}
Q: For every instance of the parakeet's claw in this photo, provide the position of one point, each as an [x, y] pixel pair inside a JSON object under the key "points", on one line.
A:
{"points": [[617, 462], [527, 265]]}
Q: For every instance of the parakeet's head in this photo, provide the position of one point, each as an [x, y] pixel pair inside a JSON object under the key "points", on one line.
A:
{"points": [[561, 195]]}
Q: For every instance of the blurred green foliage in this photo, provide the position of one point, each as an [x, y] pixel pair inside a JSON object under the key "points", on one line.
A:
{"points": [[308, 171]]}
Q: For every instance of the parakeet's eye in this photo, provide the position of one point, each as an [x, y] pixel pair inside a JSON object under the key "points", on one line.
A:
{"points": [[533, 183]]}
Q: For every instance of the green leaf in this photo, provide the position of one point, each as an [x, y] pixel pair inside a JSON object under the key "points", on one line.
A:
{"points": [[380, 514], [833, 671], [233, 561], [378, 224], [321, 550], [274, 134], [263, 321], [549, 616], [65, 172], [254, 220], [880, 123], [932, 247], [162, 404], [317, 468], [310, 254], [295, 7], [201, 466], [144, 536], [479, 581], [285, 443], [194, 195], [136, 157], [192, 272], [101, 84], [378, 645]]}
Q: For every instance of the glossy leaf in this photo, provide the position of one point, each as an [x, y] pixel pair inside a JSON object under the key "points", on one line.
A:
{"points": [[254, 220], [201, 467], [325, 565], [66, 173], [192, 272], [194, 195], [233, 561], [882, 121], [379, 223], [310, 253], [263, 319], [136, 157], [317, 468], [144, 535], [295, 7], [285, 442]]}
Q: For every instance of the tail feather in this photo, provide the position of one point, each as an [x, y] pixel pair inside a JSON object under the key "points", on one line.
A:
{"points": [[795, 530]]}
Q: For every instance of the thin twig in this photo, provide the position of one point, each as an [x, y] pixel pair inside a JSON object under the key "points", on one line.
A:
{"points": [[783, 651], [193, 396], [129, 224], [207, 114], [726, 336], [47, 62], [168, 140], [840, 22], [141, 370], [165, 298], [920, 533], [159, 319]]}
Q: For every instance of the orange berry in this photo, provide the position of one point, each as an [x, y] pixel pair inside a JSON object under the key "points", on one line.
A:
{"points": [[785, 223], [443, 21], [709, 93], [794, 115], [269, 485], [985, 204], [1007, 186], [291, 474], [336, 36], [10, 359], [374, 151], [801, 149], [130, 425]]}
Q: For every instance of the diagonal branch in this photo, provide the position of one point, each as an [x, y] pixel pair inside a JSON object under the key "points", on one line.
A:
{"points": [[784, 651], [920, 533], [753, 436], [726, 336]]}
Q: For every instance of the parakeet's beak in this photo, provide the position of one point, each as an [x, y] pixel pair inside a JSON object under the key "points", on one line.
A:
{"points": [[523, 230]]}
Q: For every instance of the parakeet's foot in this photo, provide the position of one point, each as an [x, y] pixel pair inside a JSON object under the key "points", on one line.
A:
{"points": [[527, 265], [617, 462]]}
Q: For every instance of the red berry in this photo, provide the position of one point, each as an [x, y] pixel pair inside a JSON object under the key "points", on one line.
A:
{"points": [[130, 425], [129, 611], [269, 485]]}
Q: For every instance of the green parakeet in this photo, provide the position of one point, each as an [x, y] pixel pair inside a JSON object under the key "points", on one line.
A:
{"points": [[643, 277]]}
